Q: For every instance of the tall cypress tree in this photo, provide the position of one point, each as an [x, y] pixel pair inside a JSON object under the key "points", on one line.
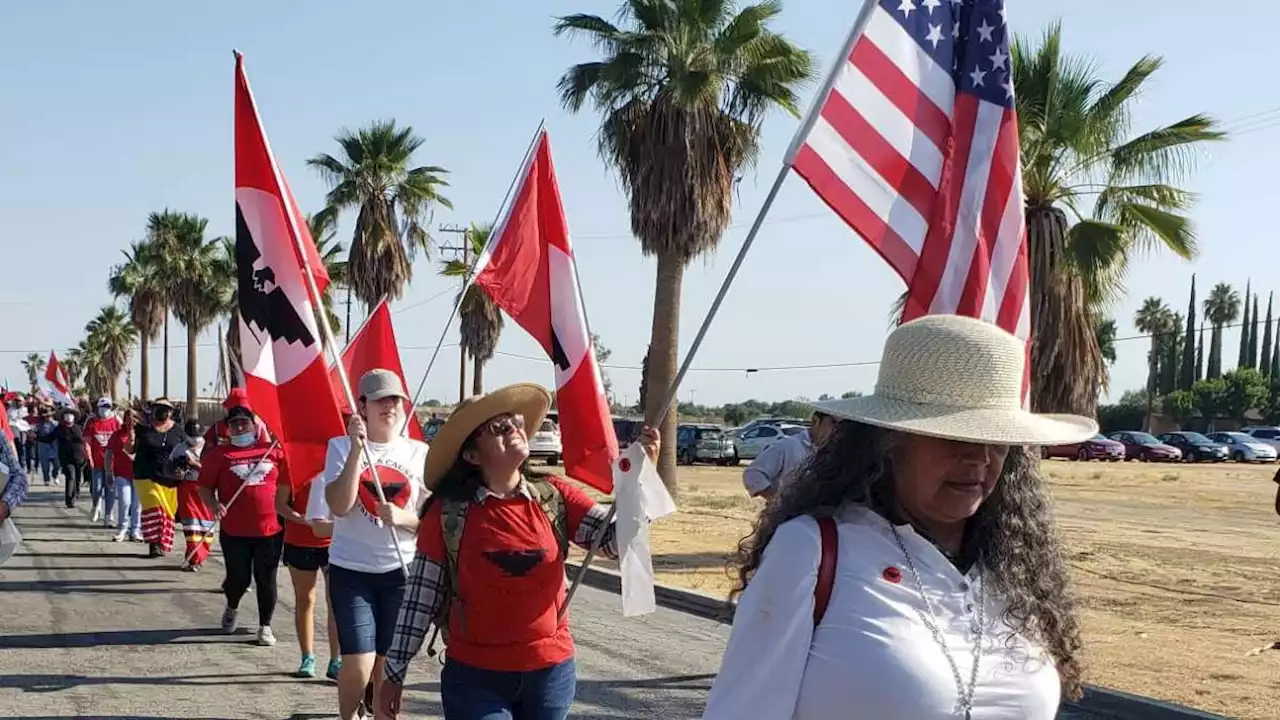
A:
{"points": [[1264, 359], [1253, 335], [1187, 376], [1200, 355], [1243, 360], [1275, 357]]}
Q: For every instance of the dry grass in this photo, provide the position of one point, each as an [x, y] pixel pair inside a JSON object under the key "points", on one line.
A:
{"points": [[1177, 567]]}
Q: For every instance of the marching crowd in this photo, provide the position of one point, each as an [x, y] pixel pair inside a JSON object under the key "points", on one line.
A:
{"points": [[906, 565]]}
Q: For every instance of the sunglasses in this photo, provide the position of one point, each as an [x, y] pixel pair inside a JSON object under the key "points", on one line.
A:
{"points": [[503, 426]]}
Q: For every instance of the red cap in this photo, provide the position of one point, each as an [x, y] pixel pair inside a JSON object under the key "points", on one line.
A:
{"points": [[238, 397]]}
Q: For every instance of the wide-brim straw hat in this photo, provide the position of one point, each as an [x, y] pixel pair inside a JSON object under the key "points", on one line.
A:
{"points": [[529, 400], [958, 378]]}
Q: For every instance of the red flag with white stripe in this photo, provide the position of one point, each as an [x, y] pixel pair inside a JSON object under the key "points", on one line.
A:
{"points": [[915, 146], [286, 377], [529, 271], [374, 346], [56, 376]]}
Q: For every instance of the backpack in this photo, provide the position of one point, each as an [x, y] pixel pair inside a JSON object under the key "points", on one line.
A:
{"points": [[453, 520]]}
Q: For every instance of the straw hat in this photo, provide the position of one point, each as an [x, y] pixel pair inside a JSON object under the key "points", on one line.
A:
{"points": [[957, 378], [525, 399]]}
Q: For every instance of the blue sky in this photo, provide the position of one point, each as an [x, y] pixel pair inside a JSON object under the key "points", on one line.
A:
{"points": [[112, 110]]}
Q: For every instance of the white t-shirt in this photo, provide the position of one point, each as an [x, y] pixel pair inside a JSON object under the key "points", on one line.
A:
{"points": [[360, 541], [872, 657]]}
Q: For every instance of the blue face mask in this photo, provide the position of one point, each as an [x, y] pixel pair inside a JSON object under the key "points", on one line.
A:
{"points": [[243, 440]]}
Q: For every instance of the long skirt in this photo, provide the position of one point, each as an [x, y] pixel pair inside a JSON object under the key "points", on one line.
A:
{"points": [[159, 507], [196, 520]]}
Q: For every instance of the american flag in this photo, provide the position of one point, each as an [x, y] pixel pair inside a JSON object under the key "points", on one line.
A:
{"points": [[916, 147]]}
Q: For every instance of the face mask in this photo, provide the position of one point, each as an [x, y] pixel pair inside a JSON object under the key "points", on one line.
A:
{"points": [[14, 413], [243, 440], [68, 419], [104, 413]]}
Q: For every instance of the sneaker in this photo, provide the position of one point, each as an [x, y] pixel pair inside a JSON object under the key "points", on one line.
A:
{"points": [[308, 667], [97, 512], [136, 537], [120, 536], [107, 522], [190, 568], [229, 624], [335, 667], [266, 638]]}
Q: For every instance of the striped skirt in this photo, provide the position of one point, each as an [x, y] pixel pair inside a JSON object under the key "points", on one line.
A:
{"points": [[159, 507], [197, 523]]}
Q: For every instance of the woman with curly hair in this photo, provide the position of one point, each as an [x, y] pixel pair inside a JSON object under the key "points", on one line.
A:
{"points": [[912, 569]]}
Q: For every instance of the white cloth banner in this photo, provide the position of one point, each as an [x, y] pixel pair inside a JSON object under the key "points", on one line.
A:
{"points": [[640, 497]]}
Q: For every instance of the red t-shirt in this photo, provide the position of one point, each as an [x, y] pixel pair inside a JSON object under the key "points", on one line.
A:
{"points": [[510, 581], [225, 468], [121, 463], [97, 433], [297, 533]]}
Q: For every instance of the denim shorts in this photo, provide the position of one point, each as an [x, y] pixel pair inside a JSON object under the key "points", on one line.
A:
{"points": [[365, 607]]}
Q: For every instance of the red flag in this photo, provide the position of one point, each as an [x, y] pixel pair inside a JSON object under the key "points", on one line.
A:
{"points": [[280, 344], [529, 271], [915, 146], [56, 376], [6, 428], [374, 346]]}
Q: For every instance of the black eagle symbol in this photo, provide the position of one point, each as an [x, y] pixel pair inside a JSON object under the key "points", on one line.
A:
{"points": [[558, 356], [262, 302], [390, 491], [516, 563]]}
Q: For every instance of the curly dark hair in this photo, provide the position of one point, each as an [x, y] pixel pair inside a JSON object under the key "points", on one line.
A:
{"points": [[1013, 531]]}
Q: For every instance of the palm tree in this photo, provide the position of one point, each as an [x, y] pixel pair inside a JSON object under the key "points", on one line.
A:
{"points": [[393, 203], [74, 364], [1105, 330], [480, 320], [199, 288], [142, 280], [1221, 308], [34, 364], [682, 88], [112, 335], [1077, 147], [1153, 319], [162, 233]]}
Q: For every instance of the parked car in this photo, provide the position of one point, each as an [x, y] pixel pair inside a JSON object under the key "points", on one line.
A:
{"points": [[1266, 434], [1098, 447], [773, 421], [627, 430], [1145, 447], [753, 441], [705, 443], [1243, 447], [545, 442], [1195, 447]]}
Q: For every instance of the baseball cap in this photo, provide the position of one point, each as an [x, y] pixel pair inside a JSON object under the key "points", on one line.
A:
{"points": [[104, 402], [239, 411], [378, 384]]}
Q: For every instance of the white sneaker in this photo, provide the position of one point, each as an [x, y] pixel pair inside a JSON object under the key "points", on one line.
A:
{"points": [[136, 537], [266, 638], [120, 536], [97, 512]]}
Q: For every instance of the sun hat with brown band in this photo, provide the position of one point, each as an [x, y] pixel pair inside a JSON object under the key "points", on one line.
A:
{"points": [[528, 400], [958, 378]]}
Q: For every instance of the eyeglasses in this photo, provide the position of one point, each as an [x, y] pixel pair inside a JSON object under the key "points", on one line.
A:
{"points": [[503, 426]]}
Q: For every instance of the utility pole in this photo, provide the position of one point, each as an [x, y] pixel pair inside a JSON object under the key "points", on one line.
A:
{"points": [[465, 249]]}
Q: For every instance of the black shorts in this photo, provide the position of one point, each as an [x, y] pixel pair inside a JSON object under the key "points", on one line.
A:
{"points": [[308, 559]]}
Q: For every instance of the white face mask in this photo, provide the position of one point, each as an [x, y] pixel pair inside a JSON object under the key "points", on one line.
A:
{"points": [[14, 413], [104, 413]]}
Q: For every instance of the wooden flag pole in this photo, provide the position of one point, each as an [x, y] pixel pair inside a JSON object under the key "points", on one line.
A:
{"points": [[330, 342]]}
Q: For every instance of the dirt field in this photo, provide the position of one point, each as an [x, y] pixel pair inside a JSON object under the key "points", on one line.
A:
{"points": [[1178, 568]]}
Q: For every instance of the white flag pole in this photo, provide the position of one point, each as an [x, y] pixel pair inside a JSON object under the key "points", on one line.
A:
{"points": [[314, 292], [797, 141], [275, 442], [500, 224]]}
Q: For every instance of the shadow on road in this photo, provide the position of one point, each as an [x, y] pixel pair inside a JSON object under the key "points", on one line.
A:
{"points": [[95, 587], [134, 717], [59, 683], [113, 638]]}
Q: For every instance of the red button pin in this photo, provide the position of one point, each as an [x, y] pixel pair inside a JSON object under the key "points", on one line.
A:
{"points": [[892, 574], [624, 464]]}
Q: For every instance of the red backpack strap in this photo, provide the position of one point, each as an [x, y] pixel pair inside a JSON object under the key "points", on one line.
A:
{"points": [[826, 568]]}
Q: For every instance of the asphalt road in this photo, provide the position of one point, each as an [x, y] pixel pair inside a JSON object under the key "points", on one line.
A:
{"points": [[93, 629]]}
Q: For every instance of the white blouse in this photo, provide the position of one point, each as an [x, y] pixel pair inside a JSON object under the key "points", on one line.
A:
{"points": [[872, 657]]}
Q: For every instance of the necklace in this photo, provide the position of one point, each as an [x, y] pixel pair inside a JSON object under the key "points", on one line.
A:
{"points": [[964, 698]]}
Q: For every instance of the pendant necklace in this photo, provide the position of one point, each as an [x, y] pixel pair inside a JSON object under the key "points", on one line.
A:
{"points": [[930, 620]]}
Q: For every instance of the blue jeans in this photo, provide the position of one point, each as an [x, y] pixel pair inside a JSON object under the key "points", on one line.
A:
{"points": [[469, 693], [365, 607], [49, 469], [128, 508], [100, 488]]}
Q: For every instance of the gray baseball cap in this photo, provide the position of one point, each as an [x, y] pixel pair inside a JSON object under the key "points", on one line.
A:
{"points": [[378, 384]]}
